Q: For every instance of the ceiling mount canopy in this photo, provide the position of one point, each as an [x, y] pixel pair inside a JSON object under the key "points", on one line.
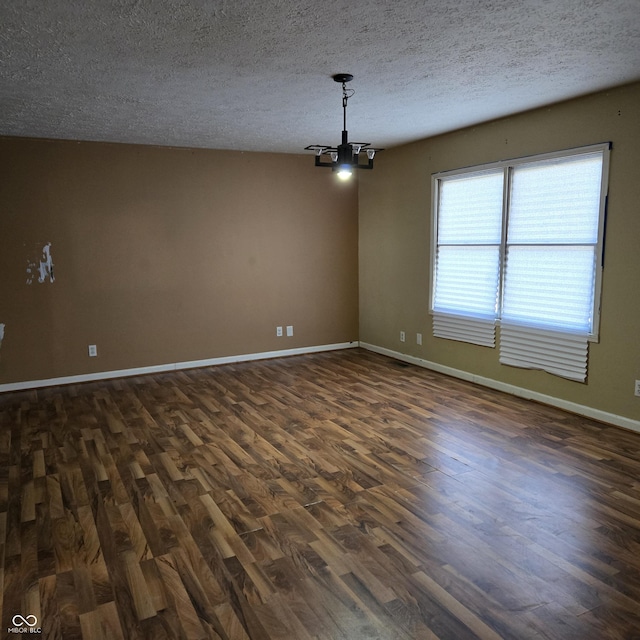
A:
{"points": [[346, 156]]}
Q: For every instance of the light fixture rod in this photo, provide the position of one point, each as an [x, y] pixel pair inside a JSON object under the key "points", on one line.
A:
{"points": [[343, 78], [344, 109]]}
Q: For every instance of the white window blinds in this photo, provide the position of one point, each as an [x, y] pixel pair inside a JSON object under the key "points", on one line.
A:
{"points": [[552, 243], [551, 264], [528, 255], [467, 266]]}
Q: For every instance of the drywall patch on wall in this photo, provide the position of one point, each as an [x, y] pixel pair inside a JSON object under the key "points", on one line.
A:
{"points": [[40, 266]]}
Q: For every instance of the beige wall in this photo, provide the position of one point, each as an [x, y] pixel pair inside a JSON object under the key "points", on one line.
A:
{"points": [[169, 255], [395, 237]]}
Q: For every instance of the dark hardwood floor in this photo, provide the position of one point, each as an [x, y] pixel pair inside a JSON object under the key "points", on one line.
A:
{"points": [[331, 496]]}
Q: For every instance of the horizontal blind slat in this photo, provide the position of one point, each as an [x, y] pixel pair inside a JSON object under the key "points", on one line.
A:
{"points": [[563, 354], [465, 329]]}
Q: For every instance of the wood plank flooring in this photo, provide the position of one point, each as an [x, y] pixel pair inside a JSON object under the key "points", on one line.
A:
{"points": [[332, 496]]}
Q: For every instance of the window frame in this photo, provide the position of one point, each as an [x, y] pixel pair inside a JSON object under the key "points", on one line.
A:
{"points": [[507, 168]]}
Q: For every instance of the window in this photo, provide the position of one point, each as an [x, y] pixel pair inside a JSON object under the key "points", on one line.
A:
{"points": [[520, 244]]}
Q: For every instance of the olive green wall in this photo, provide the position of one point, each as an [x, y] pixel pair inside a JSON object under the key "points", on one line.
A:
{"points": [[395, 242], [168, 255]]}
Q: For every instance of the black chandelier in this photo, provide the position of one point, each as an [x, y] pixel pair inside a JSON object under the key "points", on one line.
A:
{"points": [[346, 156]]}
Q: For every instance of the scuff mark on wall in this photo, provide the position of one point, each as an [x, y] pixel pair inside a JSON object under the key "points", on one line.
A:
{"points": [[2, 325], [42, 266]]}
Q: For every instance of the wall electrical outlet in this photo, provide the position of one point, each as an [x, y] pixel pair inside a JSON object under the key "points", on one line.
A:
{"points": [[418, 338], [289, 330], [93, 351], [637, 392], [403, 336], [279, 332]]}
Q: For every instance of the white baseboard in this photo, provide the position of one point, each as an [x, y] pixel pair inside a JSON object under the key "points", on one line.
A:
{"points": [[573, 407], [583, 410], [175, 366]]}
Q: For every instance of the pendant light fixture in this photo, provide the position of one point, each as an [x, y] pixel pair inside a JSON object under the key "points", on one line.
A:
{"points": [[346, 156]]}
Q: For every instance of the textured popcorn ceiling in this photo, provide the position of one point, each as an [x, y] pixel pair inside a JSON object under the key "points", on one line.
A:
{"points": [[256, 75]]}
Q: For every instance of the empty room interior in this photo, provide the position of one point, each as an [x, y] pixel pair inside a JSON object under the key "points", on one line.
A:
{"points": [[244, 398]]}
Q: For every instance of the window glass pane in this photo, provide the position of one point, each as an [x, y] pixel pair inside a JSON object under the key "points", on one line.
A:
{"points": [[556, 200], [467, 280], [470, 209], [550, 287]]}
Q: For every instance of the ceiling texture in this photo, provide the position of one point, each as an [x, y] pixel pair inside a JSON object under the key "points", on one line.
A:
{"points": [[255, 75]]}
